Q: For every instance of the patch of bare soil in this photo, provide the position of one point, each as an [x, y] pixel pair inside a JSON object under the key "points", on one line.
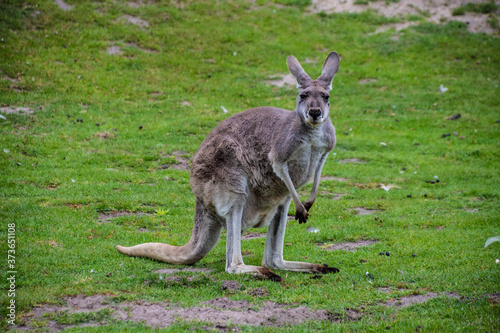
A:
{"points": [[135, 21], [435, 11], [405, 301], [348, 246], [134, 45], [352, 160], [333, 196], [338, 179], [114, 50], [109, 215], [219, 311], [105, 135], [8, 78], [283, 80], [365, 81], [253, 235], [16, 110], [182, 162], [365, 211], [259, 292], [64, 6], [230, 286], [168, 271]]}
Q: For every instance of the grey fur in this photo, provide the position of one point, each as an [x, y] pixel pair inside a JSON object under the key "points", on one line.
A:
{"points": [[246, 172]]}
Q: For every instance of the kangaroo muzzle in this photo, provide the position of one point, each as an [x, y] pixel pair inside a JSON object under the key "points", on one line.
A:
{"points": [[315, 113]]}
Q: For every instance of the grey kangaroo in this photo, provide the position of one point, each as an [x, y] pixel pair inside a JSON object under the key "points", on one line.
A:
{"points": [[245, 175]]}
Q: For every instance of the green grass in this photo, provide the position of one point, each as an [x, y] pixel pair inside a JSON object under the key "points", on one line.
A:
{"points": [[58, 173], [481, 8]]}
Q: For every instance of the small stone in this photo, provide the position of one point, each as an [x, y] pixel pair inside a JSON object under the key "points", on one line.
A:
{"points": [[387, 253], [362, 260], [413, 255], [354, 282], [381, 253], [79, 120], [97, 124], [408, 196], [140, 127]]}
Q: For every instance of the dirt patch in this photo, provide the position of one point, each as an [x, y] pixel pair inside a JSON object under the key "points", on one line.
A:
{"points": [[134, 45], [16, 110], [168, 271], [436, 11], [230, 286], [135, 21], [259, 292], [348, 246], [105, 135], [253, 235], [182, 163], [416, 299], [114, 50], [395, 26], [283, 80], [365, 81], [219, 311], [471, 210], [352, 160], [109, 215], [338, 179], [333, 196], [8, 78], [365, 211], [64, 6]]}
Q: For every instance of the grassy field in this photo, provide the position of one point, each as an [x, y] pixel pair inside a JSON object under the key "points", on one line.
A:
{"points": [[119, 92]]}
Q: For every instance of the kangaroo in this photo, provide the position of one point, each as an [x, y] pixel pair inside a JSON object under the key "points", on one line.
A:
{"points": [[245, 174]]}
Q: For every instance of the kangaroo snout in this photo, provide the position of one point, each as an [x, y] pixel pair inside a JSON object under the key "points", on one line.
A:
{"points": [[315, 113]]}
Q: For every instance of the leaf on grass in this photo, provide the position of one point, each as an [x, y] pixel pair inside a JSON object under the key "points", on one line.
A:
{"points": [[492, 240]]}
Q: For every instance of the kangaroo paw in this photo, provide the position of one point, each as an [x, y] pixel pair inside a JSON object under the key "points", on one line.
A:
{"points": [[301, 215], [307, 205]]}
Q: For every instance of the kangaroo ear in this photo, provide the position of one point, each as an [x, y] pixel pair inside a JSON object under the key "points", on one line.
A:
{"points": [[303, 80], [330, 68]]}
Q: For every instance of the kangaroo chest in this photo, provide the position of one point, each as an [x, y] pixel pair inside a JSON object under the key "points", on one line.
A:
{"points": [[304, 163]]}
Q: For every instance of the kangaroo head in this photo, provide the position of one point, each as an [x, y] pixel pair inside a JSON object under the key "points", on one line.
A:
{"points": [[312, 102]]}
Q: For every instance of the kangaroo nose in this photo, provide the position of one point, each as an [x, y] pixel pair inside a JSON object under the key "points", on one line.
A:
{"points": [[315, 113]]}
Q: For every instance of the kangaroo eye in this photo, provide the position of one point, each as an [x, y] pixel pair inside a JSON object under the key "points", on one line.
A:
{"points": [[303, 96], [325, 97]]}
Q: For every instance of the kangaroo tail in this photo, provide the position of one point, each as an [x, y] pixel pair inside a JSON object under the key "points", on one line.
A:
{"points": [[206, 233]]}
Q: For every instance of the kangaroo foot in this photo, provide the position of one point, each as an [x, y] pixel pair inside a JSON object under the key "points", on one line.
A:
{"points": [[265, 273], [324, 269]]}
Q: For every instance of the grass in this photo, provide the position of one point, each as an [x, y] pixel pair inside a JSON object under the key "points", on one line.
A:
{"points": [[59, 173], [481, 8]]}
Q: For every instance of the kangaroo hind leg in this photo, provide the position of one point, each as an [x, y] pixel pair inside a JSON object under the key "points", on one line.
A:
{"points": [[234, 259], [206, 233], [273, 253]]}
